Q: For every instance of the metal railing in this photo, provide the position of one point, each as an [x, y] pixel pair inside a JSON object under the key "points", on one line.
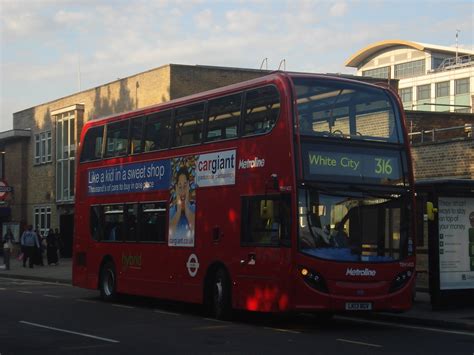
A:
{"points": [[442, 134], [454, 63]]}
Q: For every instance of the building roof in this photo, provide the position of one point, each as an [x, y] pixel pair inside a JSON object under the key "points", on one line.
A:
{"points": [[362, 55], [14, 134]]}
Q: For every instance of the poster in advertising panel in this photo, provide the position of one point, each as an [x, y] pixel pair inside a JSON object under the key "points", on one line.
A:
{"points": [[456, 242], [182, 210]]}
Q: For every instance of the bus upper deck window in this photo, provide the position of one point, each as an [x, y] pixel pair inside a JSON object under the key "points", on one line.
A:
{"points": [[262, 108], [92, 146], [117, 139]]}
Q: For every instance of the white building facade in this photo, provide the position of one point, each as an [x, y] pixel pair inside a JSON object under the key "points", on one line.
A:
{"points": [[431, 77]]}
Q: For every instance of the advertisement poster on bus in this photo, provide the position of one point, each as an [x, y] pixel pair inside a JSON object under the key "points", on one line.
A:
{"points": [[216, 169], [182, 210], [456, 242], [135, 177]]}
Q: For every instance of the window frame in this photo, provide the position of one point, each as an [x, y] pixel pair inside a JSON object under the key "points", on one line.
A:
{"points": [[38, 213], [43, 148], [282, 240], [124, 122]]}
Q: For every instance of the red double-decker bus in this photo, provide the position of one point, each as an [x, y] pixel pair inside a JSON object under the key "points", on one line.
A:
{"points": [[291, 192]]}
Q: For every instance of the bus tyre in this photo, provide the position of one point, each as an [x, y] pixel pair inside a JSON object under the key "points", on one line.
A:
{"points": [[221, 305], [108, 282]]}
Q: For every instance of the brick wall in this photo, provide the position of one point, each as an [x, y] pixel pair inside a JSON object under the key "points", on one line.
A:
{"points": [[16, 173], [450, 159]]}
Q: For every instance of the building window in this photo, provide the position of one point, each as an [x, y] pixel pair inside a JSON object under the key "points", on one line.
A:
{"points": [[406, 95], [43, 148], [382, 73], [461, 86], [442, 89], [42, 219], [65, 155], [410, 69], [423, 92], [436, 62]]}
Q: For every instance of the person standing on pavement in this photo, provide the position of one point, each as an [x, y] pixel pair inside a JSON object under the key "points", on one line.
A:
{"points": [[30, 244], [7, 247], [52, 248]]}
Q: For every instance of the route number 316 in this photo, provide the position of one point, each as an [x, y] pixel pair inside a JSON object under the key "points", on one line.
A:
{"points": [[383, 166]]}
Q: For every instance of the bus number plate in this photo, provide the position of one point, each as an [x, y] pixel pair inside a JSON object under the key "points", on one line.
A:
{"points": [[358, 306]]}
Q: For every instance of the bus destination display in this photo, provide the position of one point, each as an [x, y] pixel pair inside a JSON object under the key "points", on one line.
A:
{"points": [[381, 166]]}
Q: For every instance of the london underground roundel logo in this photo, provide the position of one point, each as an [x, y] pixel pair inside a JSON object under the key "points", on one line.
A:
{"points": [[192, 265], [4, 189]]}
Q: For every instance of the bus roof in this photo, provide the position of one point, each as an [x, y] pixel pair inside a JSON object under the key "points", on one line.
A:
{"points": [[277, 75]]}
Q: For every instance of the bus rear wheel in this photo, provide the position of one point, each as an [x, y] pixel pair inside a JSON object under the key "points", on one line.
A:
{"points": [[108, 282], [221, 303]]}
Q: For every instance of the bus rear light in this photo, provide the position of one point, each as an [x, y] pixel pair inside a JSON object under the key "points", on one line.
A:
{"points": [[401, 280], [314, 279]]}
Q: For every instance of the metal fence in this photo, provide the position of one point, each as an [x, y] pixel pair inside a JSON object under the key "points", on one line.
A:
{"points": [[442, 134]]}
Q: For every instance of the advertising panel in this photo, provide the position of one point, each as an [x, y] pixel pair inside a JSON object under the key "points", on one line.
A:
{"points": [[456, 242], [134, 177], [216, 169]]}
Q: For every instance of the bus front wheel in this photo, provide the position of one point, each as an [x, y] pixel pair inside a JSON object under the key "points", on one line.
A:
{"points": [[108, 282], [221, 303]]}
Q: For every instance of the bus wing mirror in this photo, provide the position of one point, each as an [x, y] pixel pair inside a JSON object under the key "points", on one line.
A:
{"points": [[430, 211], [266, 209]]}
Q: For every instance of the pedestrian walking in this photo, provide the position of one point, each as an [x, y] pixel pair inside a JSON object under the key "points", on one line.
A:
{"points": [[30, 244], [38, 259], [60, 243], [7, 247], [52, 248]]}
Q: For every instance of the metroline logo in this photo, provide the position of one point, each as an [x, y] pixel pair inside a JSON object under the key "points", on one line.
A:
{"points": [[251, 163], [360, 272]]}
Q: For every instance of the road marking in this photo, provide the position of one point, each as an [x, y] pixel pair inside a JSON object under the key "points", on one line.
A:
{"points": [[211, 327], [26, 292], [216, 320], [32, 282], [52, 296], [284, 330], [86, 301], [2, 289], [359, 343], [408, 326], [122, 306], [168, 313], [70, 332]]}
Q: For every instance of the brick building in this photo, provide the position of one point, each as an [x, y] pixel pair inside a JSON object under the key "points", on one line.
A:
{"points": [[38, 159]]}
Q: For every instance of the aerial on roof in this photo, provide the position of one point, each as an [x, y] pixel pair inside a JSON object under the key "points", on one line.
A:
{"points": [[363, 54]]}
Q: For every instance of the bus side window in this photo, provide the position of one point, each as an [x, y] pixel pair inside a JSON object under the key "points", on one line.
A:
{"points": [[130, 227], [262, 107], [188, 125], [223, 118], [153, 222], [117, 139], [113, 222], [157, 131], [92, 146], [265, 220], [95, 222], [136, 135]]}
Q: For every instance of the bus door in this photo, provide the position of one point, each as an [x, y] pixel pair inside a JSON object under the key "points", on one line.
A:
{"points": [[265, 253]]}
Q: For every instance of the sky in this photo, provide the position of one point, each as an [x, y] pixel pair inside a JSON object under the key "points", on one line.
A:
{"points": [[45, 44]]}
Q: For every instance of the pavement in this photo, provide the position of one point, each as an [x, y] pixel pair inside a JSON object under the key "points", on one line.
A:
{"points": [[421, 314]]}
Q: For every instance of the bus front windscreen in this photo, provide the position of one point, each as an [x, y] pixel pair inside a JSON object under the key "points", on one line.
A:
{"points": [[353, 226], [329, 108]]}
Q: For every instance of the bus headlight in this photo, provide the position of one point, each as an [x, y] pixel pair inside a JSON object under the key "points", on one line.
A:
{"points": [[313, 279], [401, 280]]}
